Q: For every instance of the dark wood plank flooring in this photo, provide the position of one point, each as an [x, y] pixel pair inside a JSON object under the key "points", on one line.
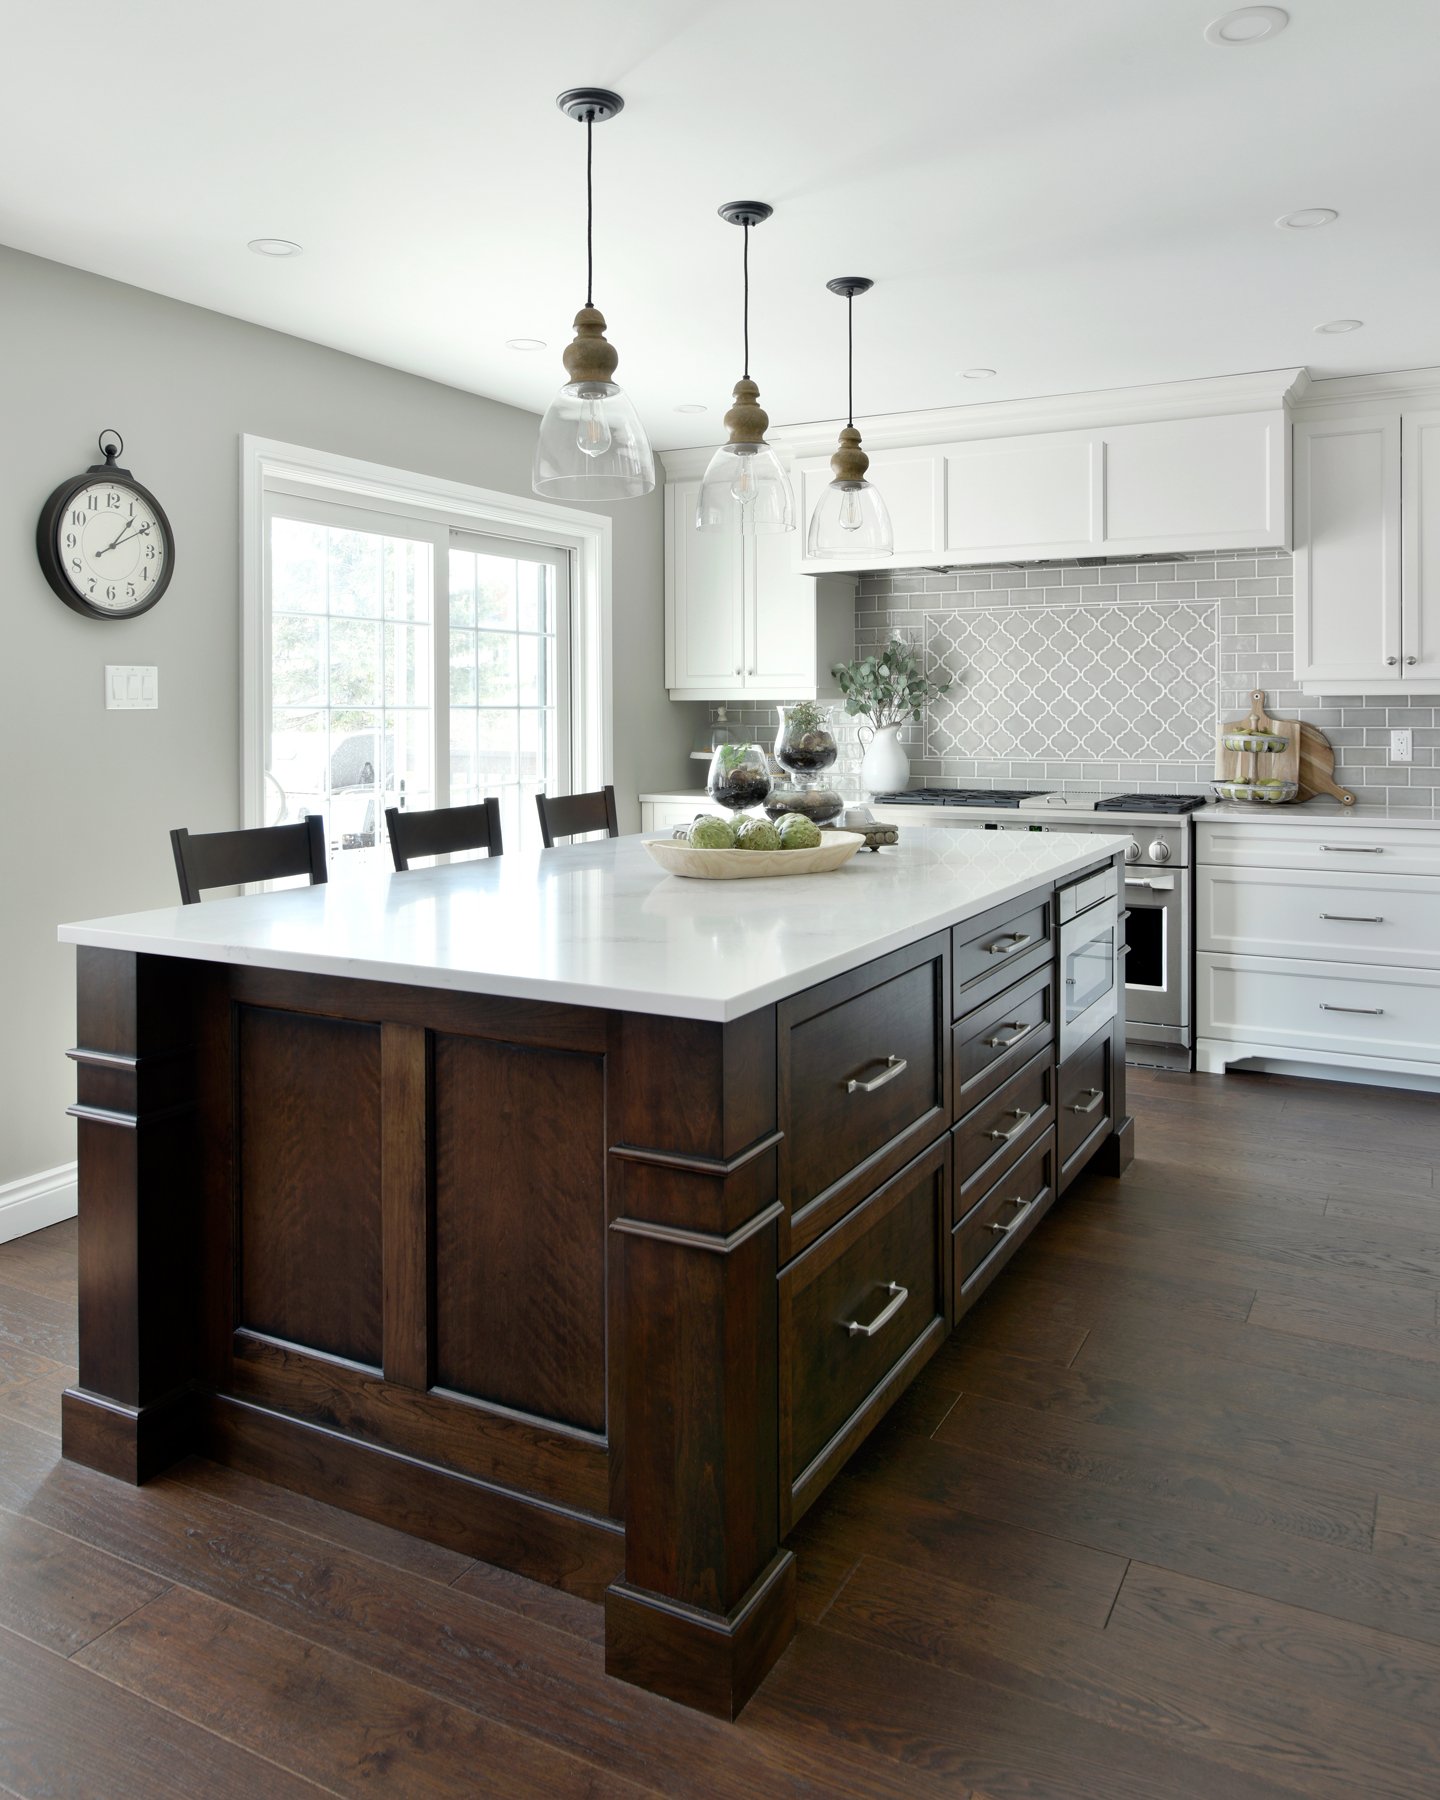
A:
{"points": [[1162, 1520]]}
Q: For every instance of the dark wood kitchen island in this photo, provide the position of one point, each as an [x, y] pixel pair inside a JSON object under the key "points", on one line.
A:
{"points": [[573, 1216]]}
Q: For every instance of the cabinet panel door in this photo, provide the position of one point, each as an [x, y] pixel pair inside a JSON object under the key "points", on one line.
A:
{"points": [[1347, 551], [1024, 497], [1196, 484], [1420, 632], [780, 621], [704, 589]]}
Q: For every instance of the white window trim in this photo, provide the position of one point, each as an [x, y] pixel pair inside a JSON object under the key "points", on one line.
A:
{"points": [[586, 536]]}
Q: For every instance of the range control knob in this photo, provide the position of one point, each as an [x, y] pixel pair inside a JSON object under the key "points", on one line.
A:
{"points": [[1159, 851], [1132, 851]]}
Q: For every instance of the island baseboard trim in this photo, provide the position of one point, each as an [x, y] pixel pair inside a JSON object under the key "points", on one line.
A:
{"points": [[717, 1166], [132, 1443], [712, 1661], [701, 1240]]}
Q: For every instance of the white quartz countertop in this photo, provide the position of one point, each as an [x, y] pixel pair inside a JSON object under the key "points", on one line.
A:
{"points": [[1329, 813], [600, 924]]}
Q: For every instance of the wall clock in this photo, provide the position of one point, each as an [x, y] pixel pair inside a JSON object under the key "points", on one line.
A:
{"points": [[104, 542]]}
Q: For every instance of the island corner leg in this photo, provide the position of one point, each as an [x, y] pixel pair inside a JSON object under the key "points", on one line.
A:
{"points": [[131, 1412], [707, 1601]]}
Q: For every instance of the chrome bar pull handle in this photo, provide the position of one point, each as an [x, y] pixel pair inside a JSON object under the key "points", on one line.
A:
{"points": [[1356, 918], [1003, 1043], [1090, 1105], [894, 1065], [856, 1329], [1007, 946], [1377, 1012], [1017, 1221], [1355, 849], [1021, 1118]]}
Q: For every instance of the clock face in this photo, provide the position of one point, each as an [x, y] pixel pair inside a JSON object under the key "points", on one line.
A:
{"points": [[110, 547]]}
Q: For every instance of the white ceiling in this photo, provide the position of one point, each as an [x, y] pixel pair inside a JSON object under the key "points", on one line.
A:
{"points": [[1080, 194]]}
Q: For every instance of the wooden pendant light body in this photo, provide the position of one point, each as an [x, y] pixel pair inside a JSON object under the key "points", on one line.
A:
{"points": [[849, 463], [588, 357], [747, 420]]}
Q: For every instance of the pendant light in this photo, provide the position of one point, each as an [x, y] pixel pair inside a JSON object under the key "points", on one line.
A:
{"points": [[592, 445], [745, 488], [850, 514]]}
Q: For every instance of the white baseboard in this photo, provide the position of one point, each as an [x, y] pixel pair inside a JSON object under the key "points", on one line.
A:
{"points": [[36, 1201]]}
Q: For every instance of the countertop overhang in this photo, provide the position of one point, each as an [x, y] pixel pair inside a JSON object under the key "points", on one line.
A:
{"points": [[599, 924]]}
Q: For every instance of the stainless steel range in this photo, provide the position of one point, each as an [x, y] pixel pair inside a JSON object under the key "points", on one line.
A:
{"points": [[1159, 888]]}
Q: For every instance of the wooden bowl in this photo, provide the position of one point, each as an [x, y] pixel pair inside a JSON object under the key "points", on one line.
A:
{"points": [[676, 858]]}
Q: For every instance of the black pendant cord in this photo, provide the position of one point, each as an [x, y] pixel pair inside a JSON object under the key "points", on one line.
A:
{"points": [[746, 266], [589, 211], [850, 358]]}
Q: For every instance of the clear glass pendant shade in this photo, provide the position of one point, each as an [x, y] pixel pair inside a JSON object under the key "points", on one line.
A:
{"points": [[592, 446], [745, 489], [850, 517]]}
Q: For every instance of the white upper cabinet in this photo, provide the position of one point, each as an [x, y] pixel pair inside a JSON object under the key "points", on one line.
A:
{"points": [[1420, 570], [1215, 482], [740, 620], [1025, 497], [1196, 484], [1348, 611]]}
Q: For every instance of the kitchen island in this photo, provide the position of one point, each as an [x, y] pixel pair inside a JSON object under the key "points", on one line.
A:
{"points": [[577, 1217]]}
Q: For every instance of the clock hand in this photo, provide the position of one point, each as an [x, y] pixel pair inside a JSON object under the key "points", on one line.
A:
{"points": [[131, 530]]}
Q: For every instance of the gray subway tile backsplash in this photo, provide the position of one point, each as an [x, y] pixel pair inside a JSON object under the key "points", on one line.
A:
{"points": [[1251, 595]]}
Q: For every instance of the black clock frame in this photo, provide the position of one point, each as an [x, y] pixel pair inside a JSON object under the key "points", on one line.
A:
{"points": [[47, 534]]}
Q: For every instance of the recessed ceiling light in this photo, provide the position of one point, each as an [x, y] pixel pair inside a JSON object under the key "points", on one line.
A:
{"points": [[977, 374], [1247, 25], [1337, 325], [692, 406], [1309, 218], [524, 343], [275, 247]]}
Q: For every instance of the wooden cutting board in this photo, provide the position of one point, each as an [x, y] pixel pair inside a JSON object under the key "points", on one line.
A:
{"points": [[1308, 759]]}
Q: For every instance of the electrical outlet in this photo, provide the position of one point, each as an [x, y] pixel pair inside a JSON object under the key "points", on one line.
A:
{"points": [[1399, 746]]}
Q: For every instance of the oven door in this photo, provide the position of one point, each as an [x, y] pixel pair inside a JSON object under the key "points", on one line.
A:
{"points": [[1157, 961], [1089, 974]]}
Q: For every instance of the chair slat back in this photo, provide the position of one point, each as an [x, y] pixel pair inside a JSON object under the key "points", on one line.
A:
{"points": [[563, 815], [228, 858], [443, 831]]}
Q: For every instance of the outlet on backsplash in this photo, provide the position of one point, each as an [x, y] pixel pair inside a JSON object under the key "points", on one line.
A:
{"points": [[1400, 747]]}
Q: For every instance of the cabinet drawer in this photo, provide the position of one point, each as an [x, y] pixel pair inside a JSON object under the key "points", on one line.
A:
{"points": [[859, 1312], [1349, 847], [862, 1077], [989, 1233], [1084, 1112], [1002, 1127], [991, 952], [1297, 1006], [1321, 915], [994, 1040]]}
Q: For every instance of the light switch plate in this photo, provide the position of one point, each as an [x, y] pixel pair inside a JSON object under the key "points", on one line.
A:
{"points": [[131, 686], [1400, 747]]}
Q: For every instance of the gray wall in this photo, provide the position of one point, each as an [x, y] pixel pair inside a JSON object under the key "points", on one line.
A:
{"points": [[91, 794]]}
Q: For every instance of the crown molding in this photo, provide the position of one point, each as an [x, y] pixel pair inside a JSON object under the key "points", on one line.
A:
{"points": [[1387, 388], [1263, 390]]}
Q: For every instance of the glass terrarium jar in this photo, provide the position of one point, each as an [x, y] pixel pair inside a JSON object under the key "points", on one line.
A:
{"points": [[821, 805], [804, 744], [739, 777]]}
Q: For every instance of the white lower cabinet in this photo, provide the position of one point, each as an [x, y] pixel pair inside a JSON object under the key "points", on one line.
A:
{"points": [[1319, 947]]}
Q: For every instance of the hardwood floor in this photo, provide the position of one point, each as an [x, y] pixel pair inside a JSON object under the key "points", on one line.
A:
{"points": [[1161, 1520]]}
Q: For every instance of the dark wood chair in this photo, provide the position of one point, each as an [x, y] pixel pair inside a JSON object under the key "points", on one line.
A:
{"points": [[566, 814], [444, 830], [228, 858]]}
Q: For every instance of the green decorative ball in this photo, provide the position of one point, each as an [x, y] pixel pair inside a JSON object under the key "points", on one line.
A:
{"points": [[799, 833], [756, 834], [711, 834]]}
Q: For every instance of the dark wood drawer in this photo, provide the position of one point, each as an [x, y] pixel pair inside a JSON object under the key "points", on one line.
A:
{"points": [[1085, 1106], [860, 1312], [994, 1040], [1002, 1128], [862, 1083], [989, 1234], [989, 953]]}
